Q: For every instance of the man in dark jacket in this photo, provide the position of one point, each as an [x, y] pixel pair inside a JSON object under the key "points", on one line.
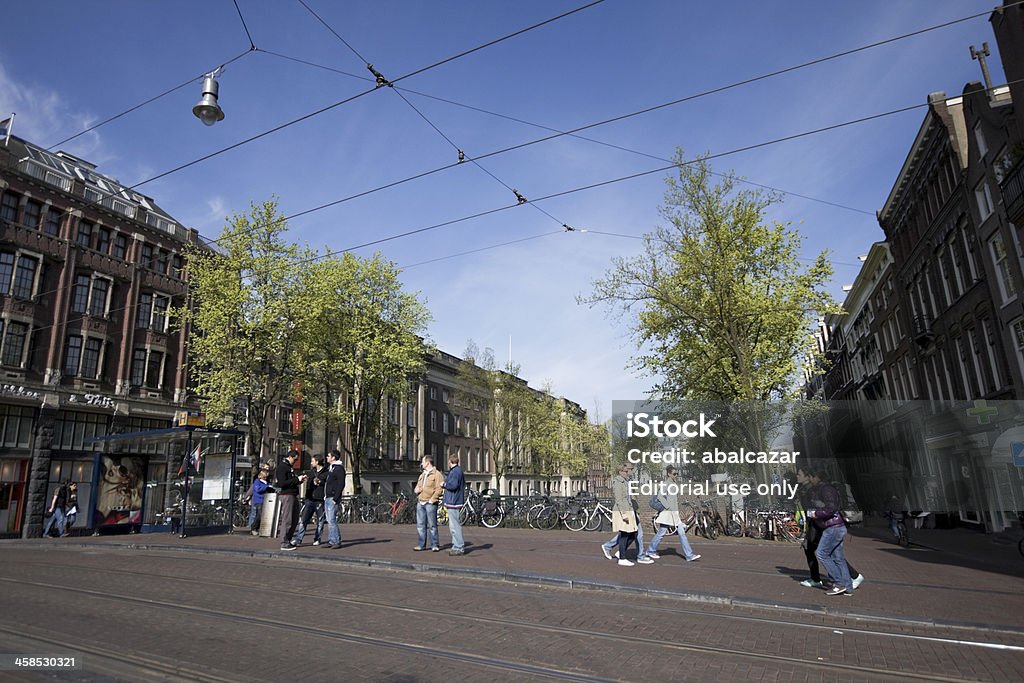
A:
{"points": [[807, 492], [333, 490], [828, 517], [313, 505], [454, 498], [287, 483]]}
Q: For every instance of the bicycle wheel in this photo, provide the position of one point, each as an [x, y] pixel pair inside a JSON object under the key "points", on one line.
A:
{"points": [[548, 518], [442, 515], [367, 514], [733, 528], [576, 520], [904, 539], [594, 520], [492, 518]]}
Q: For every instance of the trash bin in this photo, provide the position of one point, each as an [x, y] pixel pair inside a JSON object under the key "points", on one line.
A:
{"points": [[268, 516]]}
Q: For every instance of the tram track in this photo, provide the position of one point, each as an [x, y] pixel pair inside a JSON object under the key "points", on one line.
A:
{"points": [[487, 622]]}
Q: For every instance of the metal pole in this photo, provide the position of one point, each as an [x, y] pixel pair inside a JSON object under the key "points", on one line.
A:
{"points": [[184, 500], [231, 495]]}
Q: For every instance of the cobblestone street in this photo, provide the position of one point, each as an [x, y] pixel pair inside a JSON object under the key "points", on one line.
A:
{"points": [[521, 605]]}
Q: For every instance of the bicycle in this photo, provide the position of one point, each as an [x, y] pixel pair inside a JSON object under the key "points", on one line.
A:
{"points": [[470, 512], [901, 529], [240, 518], [492, 512], [396, 511], [597, 515]]}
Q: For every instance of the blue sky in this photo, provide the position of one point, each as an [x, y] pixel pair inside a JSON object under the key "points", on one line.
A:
{"points": [[65, 65]]}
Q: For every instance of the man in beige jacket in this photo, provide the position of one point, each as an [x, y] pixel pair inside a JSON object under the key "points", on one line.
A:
{"points": [[429, 489]]}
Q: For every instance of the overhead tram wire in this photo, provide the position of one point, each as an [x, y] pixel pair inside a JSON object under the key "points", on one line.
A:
{"points": [[144, 103], [477, 251], [514, 119], [604, 183], [656, 107], [381, 81], [252, 45], [563, 193], [287, 124]]}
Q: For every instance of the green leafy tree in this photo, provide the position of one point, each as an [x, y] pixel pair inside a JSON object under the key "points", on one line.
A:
{"points": [[246, 319], [363, 349], [721, 305]]}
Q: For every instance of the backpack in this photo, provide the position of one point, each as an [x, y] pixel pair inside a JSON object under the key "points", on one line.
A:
{"points": [[656, 504]]}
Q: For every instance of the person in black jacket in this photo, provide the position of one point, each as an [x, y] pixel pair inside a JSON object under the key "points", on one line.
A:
{"points": [[287, 483], [333, 491], [313, 505], [807, 492]]}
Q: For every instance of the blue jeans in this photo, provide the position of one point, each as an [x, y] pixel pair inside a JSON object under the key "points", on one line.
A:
{"points": [[455, 527], [426, 521], [310, 509], [56, 518], [254, 515], [610, 545], [662, 530], [333, 531], [830, 553]]}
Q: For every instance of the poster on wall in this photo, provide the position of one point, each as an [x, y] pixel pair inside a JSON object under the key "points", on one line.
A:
{"points": [[119, 490], [217, 476]]}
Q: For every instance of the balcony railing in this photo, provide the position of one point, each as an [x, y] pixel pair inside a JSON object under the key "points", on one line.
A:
{"points": [[923, 333], [1012, 187]]}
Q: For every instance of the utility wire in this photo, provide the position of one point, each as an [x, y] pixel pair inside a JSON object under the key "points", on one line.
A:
{"points": [[556, 130], [252, 45], [454, 146], [477, 251], [346, 100], [142, 104]]}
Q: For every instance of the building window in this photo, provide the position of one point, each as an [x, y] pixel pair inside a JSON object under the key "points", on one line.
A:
{"points": [[22, 281], [979, 136], [138, 368], [98, 297], [52, 225], [84, 238], [1017, 328], [446, 396], [103, 241], [176, 265], [152, 311], [80, 294], [433, 393], [1007, 287], [983, 196], [120, 246], [161, 261], [32, 212], [73, 355], [444, 422], [147, 255], [9, 207], [71, 430], [154, 370], [91, 358], [14, 334], [16, 426], [433, 420]]}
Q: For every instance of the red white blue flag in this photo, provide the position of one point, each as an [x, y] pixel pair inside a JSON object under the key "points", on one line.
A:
{"points": [[5, 128]]}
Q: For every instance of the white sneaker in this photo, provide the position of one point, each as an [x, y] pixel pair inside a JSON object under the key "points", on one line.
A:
{"points": [[654, 556], [858, 581], [646, 559], [607, 553], [693, 559], [316, 542], [616, 555], [626, 563]]}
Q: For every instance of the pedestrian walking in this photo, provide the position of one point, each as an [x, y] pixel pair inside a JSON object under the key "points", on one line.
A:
{"points": [[286, 481], [334, 488], [807, 493], [428, 492], [668, 518], [829, 518], [260, 489], [72, 508], [313, 504], [626, 471], [58, 505], [454, 498]]}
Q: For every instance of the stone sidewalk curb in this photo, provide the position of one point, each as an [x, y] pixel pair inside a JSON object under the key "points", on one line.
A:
{"points": [[542, 580]]}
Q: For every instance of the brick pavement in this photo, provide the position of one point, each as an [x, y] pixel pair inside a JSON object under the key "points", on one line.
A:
{"points": [[959, 584]]}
